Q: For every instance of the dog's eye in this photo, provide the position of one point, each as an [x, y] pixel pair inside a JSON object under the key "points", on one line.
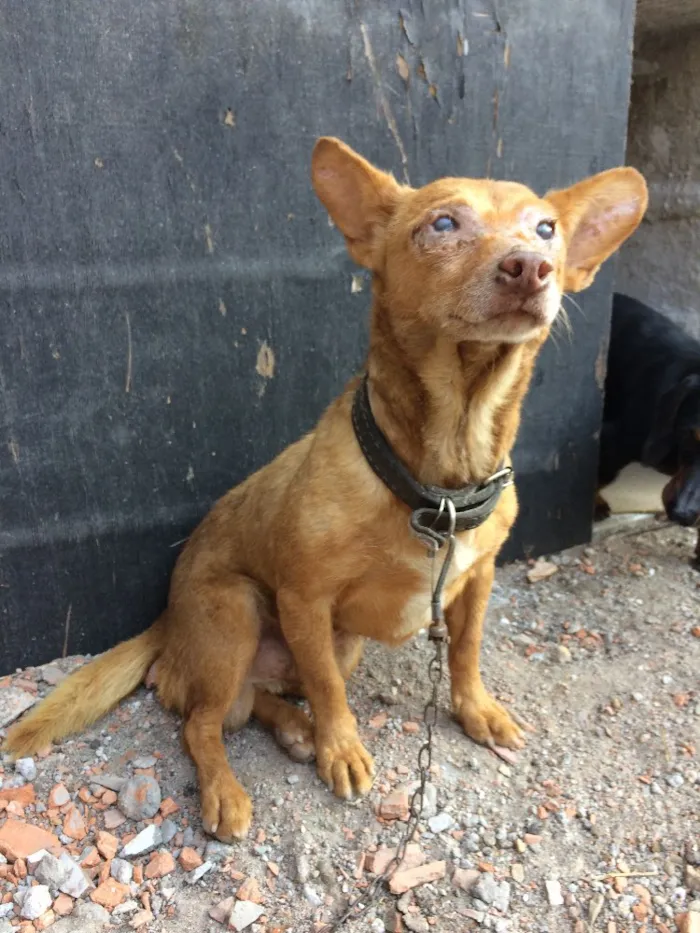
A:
{"points": [[444, 224], [545, 229]]}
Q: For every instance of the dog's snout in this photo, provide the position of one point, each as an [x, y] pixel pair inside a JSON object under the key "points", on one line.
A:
{"points": [[683, 517], [524, 272]]}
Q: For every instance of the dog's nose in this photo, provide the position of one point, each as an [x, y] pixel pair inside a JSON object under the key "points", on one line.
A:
{"points": [[683, 517], [524, 272]]}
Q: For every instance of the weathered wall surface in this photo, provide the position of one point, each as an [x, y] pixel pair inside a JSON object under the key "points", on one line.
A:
{"points": [[661, 264]]}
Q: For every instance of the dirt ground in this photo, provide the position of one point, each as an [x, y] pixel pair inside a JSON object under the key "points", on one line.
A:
{"points": [[594, 827]]}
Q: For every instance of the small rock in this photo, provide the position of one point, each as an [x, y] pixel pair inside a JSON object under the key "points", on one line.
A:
{"points": [[520, 846], [36, 902], [140, 919], [74, 824], [58, 797], [517, 872], [63, 905], [541, 570], [377, 862], [20, 840], [377, 926], [199, 872], [114, 819], [109, 894], [147, 840], [76, 882], [465, 878], [52, 675], [142, 763], [675, 780], [140, 798], [244, 914], [408, 878], [429, 807], [415, 923], [161, 864], [394, 806], [595, 905], [86, 918], [563, 655], [27, 768], [13, 702], [532, 839], [222, 911], [189, 859], [168, 831], [121, 870], [218, 851], [441, 823], [692, 878], [554, 895], [311, 896], [50, 871], [110, 781], [107, 845], [292, 779]]}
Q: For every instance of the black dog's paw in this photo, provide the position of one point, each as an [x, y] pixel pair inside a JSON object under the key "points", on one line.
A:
{"points": [[601, 510]]}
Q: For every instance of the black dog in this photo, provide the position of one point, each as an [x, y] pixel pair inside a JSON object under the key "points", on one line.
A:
{"points": [[652, 407]]}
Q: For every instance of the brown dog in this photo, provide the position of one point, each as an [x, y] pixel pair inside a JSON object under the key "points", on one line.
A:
{"points": [[278, 587]]}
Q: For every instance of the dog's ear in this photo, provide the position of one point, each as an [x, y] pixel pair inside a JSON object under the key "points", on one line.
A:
{"points": [[596, 216], [359, 198], [661, 437]]}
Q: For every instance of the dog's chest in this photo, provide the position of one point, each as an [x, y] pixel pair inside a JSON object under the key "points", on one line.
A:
{"points": [[415, 613]]}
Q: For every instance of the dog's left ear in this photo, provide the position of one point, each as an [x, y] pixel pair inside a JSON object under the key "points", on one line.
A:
{"points": [[660, 442], [359, 198], [596, 216]]}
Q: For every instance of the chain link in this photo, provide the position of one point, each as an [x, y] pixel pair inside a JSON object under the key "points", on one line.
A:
{"points": [[375, 892]]}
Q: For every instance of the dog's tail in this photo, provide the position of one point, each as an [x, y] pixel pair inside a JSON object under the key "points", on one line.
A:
{"points": [[87, 694]]}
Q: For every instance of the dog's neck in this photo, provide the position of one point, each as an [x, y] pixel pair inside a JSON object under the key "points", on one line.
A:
{"points": [[450, 411]]}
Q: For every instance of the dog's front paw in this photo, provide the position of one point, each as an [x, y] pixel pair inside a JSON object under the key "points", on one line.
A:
{"points": [[227, 811], [344, 765], [487, 722]]}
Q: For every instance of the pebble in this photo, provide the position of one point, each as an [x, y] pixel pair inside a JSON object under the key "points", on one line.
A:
{"points": [[303, 868], [168, 831], [441, 823], [27, 768], [429, 807], [554, 895], [50, 871], [244, 914], [199, 872], [147, 840], [517, 872], [52, 675], [312, 897], [76, 882], [121, 870], [377, 926], [142, 763], [675, 780], [161, 864], [140, 798], [292, 779], [36, 902], [218, 851], [13, 702]]}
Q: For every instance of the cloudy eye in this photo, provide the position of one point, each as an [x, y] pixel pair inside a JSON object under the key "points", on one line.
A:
{"points": [[545, 229], [444, 224]]}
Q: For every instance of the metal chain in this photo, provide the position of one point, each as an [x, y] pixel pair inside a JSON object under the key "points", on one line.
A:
{"points": [[438, 634]]}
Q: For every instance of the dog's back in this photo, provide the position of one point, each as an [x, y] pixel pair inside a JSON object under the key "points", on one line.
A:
{"points": [[648, 355]]}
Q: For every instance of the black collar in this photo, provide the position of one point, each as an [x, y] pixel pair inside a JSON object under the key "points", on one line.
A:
{"points": [[429, 504]]}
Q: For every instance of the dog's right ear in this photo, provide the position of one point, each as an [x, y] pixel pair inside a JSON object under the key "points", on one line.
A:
{"points": [[359, 198], [660, 442]]}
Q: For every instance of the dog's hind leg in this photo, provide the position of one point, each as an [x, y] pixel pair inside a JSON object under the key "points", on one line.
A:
{"points": [[289, 724]]}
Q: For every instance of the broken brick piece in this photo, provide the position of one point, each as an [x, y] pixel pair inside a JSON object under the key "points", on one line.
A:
{"points": [[409, 878]]}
